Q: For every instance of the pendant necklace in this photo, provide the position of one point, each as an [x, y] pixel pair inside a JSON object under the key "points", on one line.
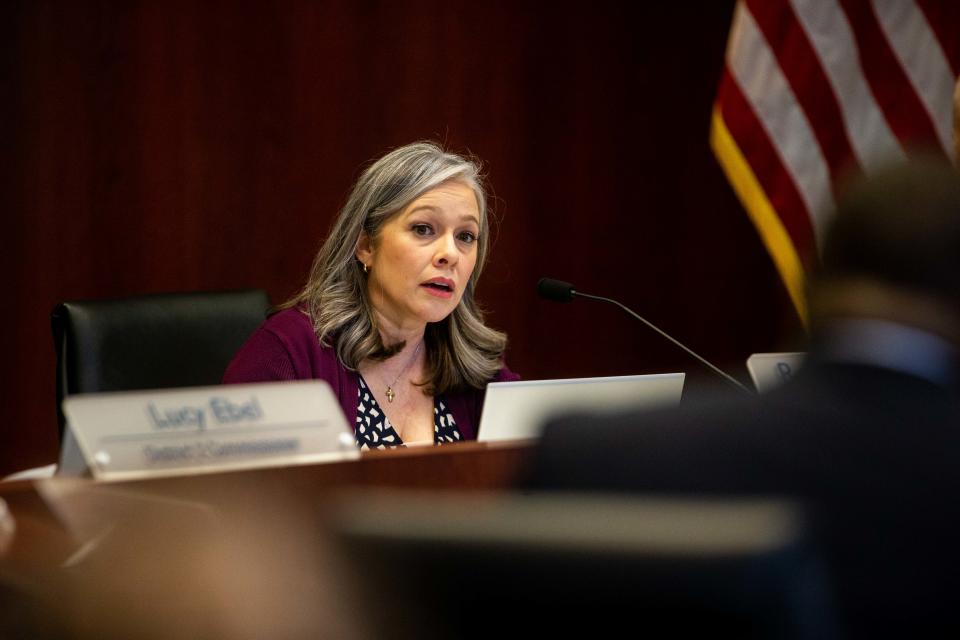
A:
{"points": [[391, 394]]}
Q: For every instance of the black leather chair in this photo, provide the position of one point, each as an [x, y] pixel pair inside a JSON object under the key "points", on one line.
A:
{"points": [[151, 341]]}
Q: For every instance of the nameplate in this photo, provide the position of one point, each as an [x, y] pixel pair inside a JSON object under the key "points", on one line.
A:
{"points": [[770, 370], [131, 435]]}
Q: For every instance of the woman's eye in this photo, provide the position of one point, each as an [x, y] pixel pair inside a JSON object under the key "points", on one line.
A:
{"points": [[422, 229], [467, 236]]}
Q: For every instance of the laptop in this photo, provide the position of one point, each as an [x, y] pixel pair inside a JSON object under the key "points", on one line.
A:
{"points": [[518, 410]]}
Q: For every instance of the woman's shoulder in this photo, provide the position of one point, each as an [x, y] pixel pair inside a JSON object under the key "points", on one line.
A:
{"points": [[294, 328], [476, 395], [284, 347], [504, 375], [293, 321]]}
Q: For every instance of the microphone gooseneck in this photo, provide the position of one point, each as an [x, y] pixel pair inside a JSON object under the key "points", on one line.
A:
{"points": [[560, 291]]}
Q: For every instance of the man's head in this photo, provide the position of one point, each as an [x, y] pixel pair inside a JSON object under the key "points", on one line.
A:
{"points": [[892, 251], [956, 121]]}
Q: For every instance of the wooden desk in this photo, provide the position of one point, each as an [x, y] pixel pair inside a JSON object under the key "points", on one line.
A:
{"points": [[42, 542], [468, 466], [244, 554]]}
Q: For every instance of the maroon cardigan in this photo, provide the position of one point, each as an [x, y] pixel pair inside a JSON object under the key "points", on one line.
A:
{"points": [[286, 348]]}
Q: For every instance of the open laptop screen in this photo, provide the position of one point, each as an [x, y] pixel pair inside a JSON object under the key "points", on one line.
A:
{"points": [[518, 410]]}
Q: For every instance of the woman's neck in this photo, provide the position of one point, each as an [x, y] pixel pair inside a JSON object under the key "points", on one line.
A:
{"points": [[394, 333]]}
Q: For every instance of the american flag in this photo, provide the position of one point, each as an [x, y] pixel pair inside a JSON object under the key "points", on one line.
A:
{"points": [[814, 89]]}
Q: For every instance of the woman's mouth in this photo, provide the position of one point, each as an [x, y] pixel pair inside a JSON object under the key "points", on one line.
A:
{"points": [[440, 287]]}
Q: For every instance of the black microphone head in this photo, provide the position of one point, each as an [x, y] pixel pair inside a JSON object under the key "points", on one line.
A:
{"points": [[556, 290]]}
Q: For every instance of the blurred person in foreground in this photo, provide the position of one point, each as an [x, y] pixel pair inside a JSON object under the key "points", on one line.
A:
{"points": [[866, 435], [388, 316]]}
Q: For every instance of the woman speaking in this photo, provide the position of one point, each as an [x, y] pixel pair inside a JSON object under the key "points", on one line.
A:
{"points": [[388, 316]]}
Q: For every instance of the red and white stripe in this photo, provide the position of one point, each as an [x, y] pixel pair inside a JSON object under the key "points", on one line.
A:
{"points": [[814, 89]]}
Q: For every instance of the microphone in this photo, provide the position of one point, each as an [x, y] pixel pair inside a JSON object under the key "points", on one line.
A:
{"points": [[556, 290], [560, 291]]}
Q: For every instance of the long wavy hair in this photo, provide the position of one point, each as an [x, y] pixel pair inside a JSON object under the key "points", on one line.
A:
{"points": [[461, 351]]}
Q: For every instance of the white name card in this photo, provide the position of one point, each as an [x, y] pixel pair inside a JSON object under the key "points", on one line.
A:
{"points": [[770, 370], [129, 435]]}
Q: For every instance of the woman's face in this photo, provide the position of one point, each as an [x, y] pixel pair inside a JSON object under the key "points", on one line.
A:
{"points": [[423, 257]]}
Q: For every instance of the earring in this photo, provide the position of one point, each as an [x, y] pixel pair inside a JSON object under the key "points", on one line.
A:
{"points": [[366, 269]]}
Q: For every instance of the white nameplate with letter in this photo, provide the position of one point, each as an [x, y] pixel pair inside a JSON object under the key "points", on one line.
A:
{"points": [[770, 370], [128, 435]]}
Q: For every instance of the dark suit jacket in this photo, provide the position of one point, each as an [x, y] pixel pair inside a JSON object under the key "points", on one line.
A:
{"points": [[874, 453]]}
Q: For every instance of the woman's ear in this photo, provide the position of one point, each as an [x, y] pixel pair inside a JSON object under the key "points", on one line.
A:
{"points": [[364, 251]]}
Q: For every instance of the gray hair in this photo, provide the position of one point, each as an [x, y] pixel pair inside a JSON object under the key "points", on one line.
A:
{"points": [[461, 350]]}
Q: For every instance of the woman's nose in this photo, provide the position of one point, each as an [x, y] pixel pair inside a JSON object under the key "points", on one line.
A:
{"points": [[446, 252]]}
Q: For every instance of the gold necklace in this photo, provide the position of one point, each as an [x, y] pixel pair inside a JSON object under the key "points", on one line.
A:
{"points": [[391, 394]]}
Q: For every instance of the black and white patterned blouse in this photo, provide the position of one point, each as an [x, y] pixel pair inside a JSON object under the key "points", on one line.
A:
{"points": [[374, 430]]}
